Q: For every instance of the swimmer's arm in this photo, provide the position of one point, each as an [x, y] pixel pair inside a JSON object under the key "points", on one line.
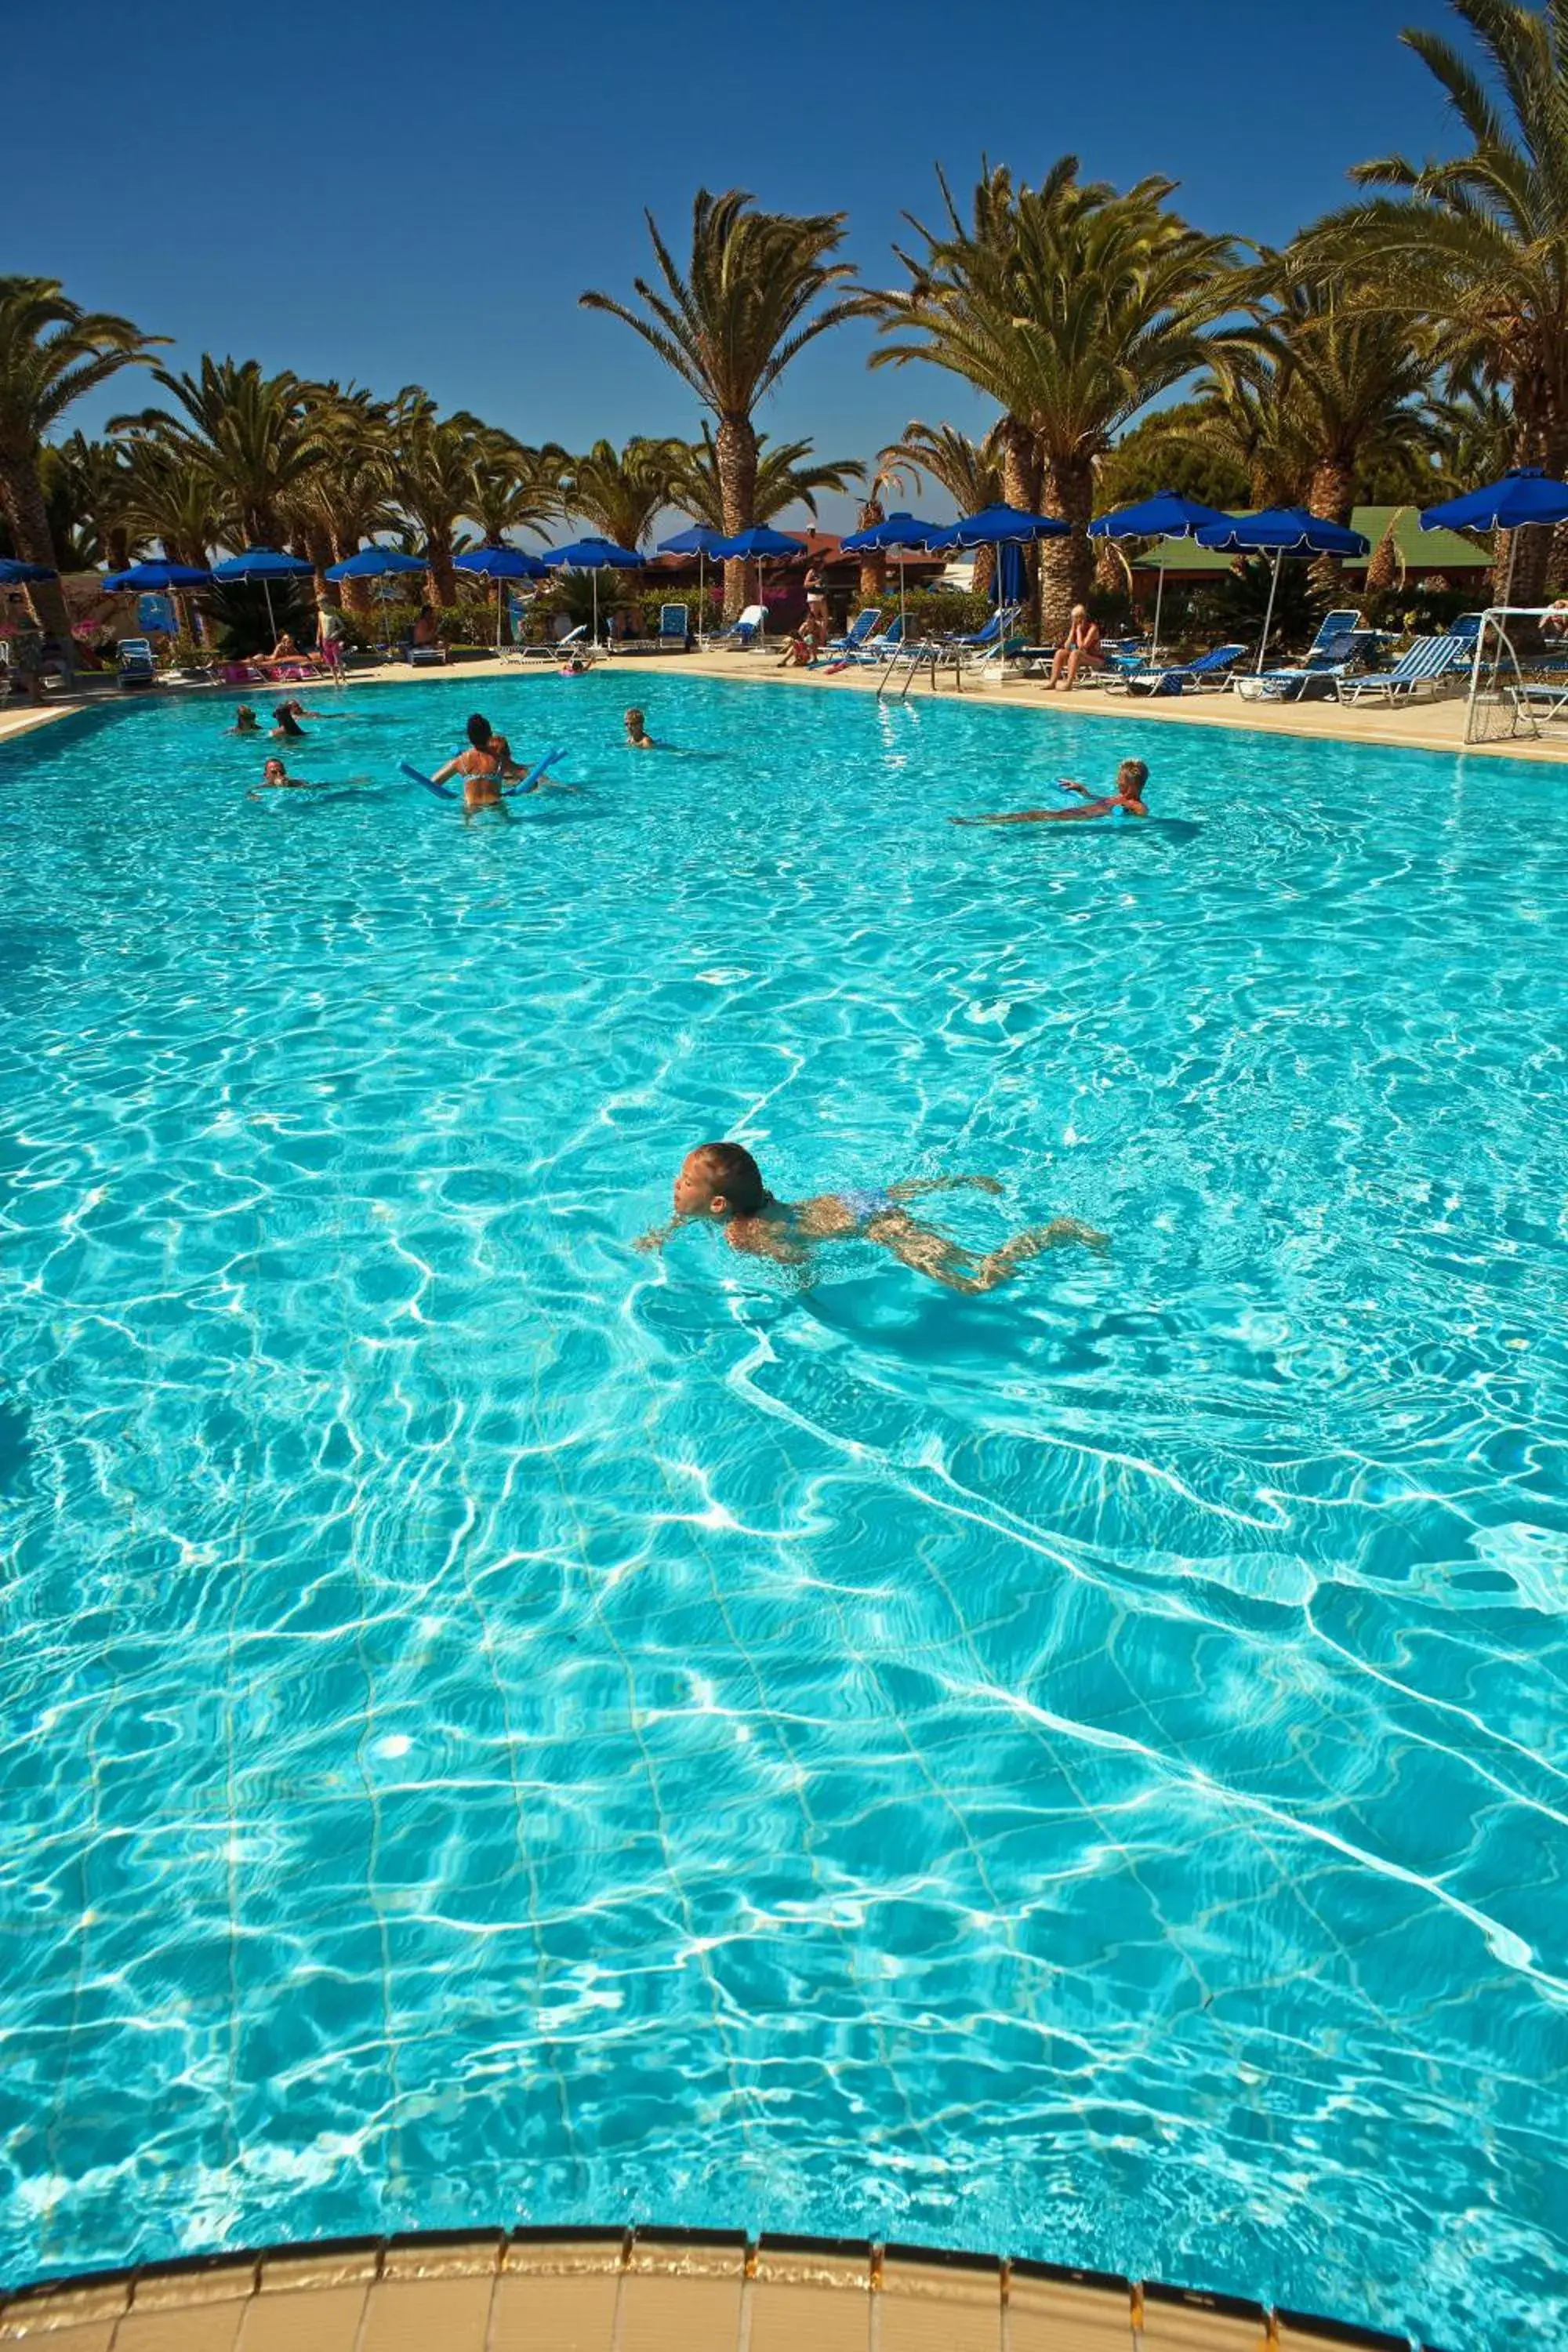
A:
{"points": [[656, 1236], [912, 1186], [452, 768], [759, 1238], [1068, 784]]}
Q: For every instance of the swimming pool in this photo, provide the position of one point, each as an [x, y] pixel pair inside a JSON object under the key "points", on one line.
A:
{"points": [[497, 1727]]}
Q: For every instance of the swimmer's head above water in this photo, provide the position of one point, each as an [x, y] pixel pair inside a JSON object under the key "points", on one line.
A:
{"points": [[636, 730], [720, 1180], [1132, 777]]}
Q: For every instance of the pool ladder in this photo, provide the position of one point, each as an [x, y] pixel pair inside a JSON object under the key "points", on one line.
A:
{"points": [[905, 663]]}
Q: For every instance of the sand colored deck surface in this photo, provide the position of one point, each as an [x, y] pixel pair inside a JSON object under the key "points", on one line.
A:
{"points": [[644, 2291]]}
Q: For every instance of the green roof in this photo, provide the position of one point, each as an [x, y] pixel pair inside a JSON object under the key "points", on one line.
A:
{"points": [[1422, 551]]}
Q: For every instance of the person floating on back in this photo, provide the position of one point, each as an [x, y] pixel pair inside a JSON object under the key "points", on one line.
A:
{"points": [[1127, 800], [720, 1183]]}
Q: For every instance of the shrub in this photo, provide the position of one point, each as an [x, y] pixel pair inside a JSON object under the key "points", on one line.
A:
{"points": [[940, 612]]}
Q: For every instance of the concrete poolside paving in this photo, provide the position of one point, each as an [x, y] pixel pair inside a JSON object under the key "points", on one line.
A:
{"points": [[650, 2290]]}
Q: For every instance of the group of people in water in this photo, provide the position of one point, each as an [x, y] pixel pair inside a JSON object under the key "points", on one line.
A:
{"points": [[720, 1184]]}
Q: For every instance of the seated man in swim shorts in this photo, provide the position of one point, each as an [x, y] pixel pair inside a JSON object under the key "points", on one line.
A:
{"points": [[1131, 783], [720, 1183]]}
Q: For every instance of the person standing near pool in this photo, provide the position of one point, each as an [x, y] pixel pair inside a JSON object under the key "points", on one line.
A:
{"points": [[720, 1183], [1127, 800]]}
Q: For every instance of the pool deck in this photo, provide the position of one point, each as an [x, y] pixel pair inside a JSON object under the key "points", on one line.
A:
{"points": [[1422, 726], [640, 2291]]}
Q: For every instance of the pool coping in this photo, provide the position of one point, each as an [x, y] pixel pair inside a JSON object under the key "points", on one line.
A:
{"points": [[647, 2288]]}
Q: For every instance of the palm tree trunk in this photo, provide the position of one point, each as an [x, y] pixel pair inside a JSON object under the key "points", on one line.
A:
{"points": [[443, 579], [873, 578], [1020, 489], [736, 445], [1383, 572], [1331, 497], [22, 496], [1068, 566]]}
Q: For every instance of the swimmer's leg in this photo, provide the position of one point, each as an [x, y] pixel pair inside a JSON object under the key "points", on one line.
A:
{"points": [[930, 1253]]}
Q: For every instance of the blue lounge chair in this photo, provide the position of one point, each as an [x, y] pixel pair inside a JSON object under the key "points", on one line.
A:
{"points": [[674, 626], [136, 665], [1210, 669], [745, 631], [872, 650], [1427, 666], [1330, 659], [989, 640], [861, 629]]}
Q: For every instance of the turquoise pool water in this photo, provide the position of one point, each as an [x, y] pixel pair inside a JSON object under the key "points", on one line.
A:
{"points": [[498, 1728]]}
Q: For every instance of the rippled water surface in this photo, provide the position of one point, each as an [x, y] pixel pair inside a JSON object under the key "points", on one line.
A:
{"points": [[498, 1726]]}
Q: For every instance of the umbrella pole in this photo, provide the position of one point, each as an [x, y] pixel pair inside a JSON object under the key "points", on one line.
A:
{"points": [[266, 591], [1159, 595], [701, 603], [1268, 615], [593, 584]]}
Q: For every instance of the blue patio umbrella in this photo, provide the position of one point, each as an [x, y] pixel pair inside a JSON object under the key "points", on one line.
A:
{"points": [[1524, 497], [15, 573], [156, 578], [1280, 532], [266, 564], [1001, 526], [501, 564], [754, 546], [374, 562], [903, 532], [594, 556], [701, 542], [1167, 515]]}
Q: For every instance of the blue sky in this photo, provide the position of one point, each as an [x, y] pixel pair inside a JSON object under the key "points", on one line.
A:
{"points": [[406, 192]]}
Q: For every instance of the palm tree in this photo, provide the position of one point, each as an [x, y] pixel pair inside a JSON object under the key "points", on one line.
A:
{"points": [[969, 471], [515, 487], [788, 475], [95, 477], [1479, 245], [170, 496], [621, 491], [51, 352], [1072, 307], [1342, 383], [434, 459], [732, 324], [257, 436]]}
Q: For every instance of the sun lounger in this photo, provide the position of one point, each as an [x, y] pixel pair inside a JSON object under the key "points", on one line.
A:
{"points": [[1330, 658], [745, 631], [674, 628], [862, 629], [988, 642], [1426, 668], [1210, 671], [135, 663], [575, 641]]}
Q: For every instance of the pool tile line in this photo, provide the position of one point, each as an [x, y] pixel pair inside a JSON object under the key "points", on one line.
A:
{"points": [[648, 2289]]}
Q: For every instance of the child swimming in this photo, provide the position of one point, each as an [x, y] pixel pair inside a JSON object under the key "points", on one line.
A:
{"points": [[275, 777], [720, 1183], [637, 737], [1132, 778], [246, 721]]}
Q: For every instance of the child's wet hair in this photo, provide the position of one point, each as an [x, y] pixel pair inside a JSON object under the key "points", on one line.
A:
{"points": [[1134, 772], [479, 732], [734, 1174]]}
